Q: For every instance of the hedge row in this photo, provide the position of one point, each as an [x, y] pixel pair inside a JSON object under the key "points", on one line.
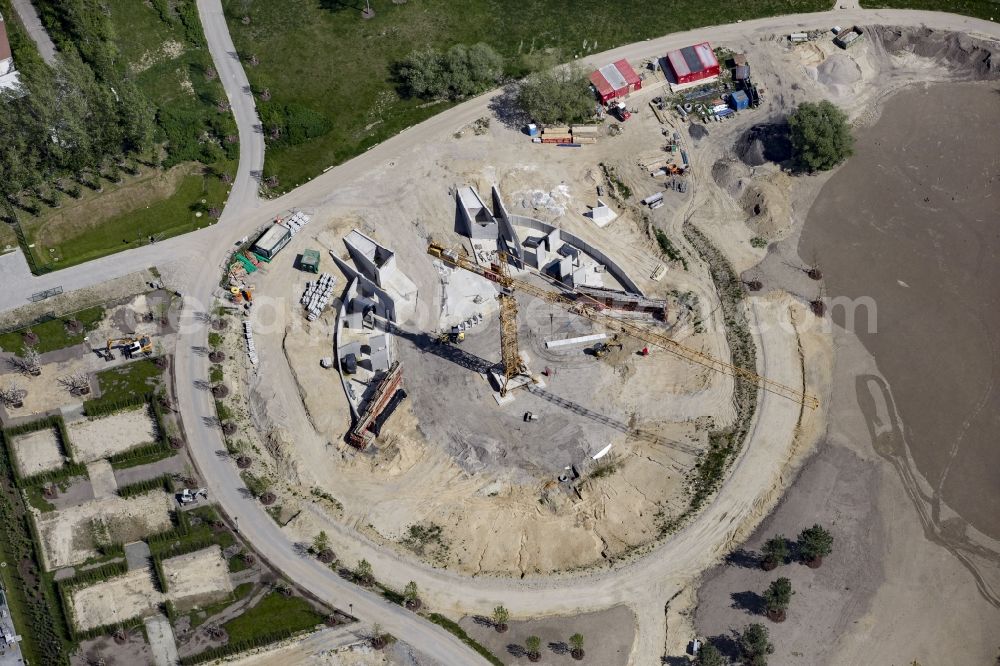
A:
{"points": [[95, 575], [102, 407], [230, 649], [33, 426], [164, 481], [181, 529], [108, 629], [36, 610], [145, 451], [454, 628], [159, 577], [67, 471]]}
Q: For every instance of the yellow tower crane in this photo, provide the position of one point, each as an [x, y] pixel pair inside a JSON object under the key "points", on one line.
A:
{"points": [[497, 272]]}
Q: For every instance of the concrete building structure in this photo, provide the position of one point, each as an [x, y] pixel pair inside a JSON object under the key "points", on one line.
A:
{"points": [[376, 262]]}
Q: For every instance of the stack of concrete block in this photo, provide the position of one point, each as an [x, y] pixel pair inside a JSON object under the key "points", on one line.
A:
{"points": [[251, 348], [317, 295]]}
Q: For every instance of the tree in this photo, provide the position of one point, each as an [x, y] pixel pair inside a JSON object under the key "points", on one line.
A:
{"points": [[12, 395], [321, 542], [560, 95], [500, 617], [27, 362], [821, 136], [777, 597], [755, 645], [576, 646], [532, 645], [709, 655], [77, 383], [411, 596], [815, 543], [459, 72], [363, 573], [775, 551]]}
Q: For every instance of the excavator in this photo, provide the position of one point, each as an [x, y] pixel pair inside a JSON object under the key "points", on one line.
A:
{"points": [[602, 349], [131, 346], [585, 306]]}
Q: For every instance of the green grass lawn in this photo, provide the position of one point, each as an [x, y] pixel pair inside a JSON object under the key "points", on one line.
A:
{"points": [[163, 218], [273, 613], [984, 9], [131, 380], [52, 334], [324, 56]]}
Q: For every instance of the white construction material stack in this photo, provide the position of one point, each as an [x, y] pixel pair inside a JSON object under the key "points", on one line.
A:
{"points": [[296, 221], [317, 295], [251, 348]]}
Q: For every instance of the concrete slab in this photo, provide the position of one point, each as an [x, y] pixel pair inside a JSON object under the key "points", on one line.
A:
{"points": [[102, 479], [137, 555], [161, 640]]}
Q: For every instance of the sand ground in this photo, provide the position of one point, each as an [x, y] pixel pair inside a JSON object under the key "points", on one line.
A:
{"points": [[197, 578], [105, 436], [37, 451], [914, 574], [67, 535]]}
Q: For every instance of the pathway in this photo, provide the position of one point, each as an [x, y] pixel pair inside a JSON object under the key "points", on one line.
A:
{"points": [[29, 19]]}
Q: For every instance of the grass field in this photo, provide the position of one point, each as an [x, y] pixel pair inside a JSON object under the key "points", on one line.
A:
{"points": [[984, 9], [52, 334], [131, 380], [323, 56], [272, 614], [168, 61]]}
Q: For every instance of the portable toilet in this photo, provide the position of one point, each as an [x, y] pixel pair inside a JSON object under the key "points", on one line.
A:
{"points": [[739, 100], [532, 129]]}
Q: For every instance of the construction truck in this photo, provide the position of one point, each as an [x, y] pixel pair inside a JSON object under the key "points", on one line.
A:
{"points": [[601, 349], [454, 336], [131, 346]]}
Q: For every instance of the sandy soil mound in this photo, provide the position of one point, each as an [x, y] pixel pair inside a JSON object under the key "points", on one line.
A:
{"points": [[730, 176], [966, 54], [838, 73], [766, 204]]}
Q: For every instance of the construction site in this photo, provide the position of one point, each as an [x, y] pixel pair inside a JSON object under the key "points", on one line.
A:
{"points": [[516, 356]]}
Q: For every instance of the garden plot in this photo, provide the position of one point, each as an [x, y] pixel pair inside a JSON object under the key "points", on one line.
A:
{"points": [[106, 436], [197, 578], [69, 535], [115, 600], [37, 452]]}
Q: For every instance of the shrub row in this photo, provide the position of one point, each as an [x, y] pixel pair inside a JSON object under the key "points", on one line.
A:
{"points": [[102, 407], [108, 629], [229, 649], [67, 471], [162, 540], [164, 481], [454, 628], [35, 608], [95, 575]]}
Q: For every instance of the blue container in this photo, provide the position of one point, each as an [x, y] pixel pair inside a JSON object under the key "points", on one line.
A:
{"points": [[532, 129], [739, 100]]}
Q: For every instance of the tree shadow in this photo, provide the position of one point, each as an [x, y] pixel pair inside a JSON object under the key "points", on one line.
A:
{"points": [[751, 602], [559, 647], [517, 650], [482, 621], [743, 558], [676, 661], [727, 644], [340, 5], [506, 109]]}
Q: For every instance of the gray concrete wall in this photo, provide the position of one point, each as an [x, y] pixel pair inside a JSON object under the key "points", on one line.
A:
{"points": [[616, 271], [507, 232], [472, 228], [366, 287]]}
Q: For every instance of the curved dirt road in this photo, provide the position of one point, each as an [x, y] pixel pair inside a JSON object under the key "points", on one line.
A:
{"points": [[646, 584]]}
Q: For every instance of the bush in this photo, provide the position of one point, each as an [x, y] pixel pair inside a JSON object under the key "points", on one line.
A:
{"points": [[459, 72], [557, 96], [821, 137], [142, 487]]}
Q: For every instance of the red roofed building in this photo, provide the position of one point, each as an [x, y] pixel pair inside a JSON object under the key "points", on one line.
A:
{"points": [[615, 80], [693, 64], [8, 75]]}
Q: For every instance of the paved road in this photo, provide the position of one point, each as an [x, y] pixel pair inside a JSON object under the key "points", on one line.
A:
{"points": [[644, 583], [29, 18]]}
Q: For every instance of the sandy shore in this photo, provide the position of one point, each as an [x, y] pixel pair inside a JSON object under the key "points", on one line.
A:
{"points": [[906, 478]]}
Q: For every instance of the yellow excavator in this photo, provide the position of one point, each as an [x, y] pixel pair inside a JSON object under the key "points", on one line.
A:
{"points": [[131, 346]]}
